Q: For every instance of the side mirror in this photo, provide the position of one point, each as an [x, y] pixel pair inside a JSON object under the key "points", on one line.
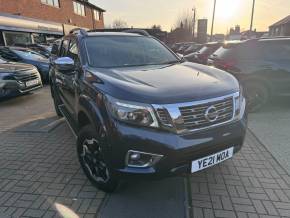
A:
{"points": [[181, 57], [65, 64]]}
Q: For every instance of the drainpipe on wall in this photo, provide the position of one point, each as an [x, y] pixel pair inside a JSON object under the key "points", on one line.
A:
{"points": [[93, 18]]}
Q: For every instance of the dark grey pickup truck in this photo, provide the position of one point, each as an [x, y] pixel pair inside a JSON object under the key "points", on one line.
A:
{"points": [[139, 111]]}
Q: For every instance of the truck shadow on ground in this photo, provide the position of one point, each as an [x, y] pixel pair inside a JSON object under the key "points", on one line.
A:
{"points": [[39, 157], [39, 167], [157, 198]]}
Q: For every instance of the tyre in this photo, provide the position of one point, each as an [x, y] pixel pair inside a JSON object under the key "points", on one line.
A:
{"points": [[257, 95], [90, 150], [56, 100]]}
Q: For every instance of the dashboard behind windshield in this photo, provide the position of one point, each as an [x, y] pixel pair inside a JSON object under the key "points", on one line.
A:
{"points": [[126, 51]]}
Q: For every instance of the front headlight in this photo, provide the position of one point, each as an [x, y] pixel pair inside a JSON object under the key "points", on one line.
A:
{"points": [[131, 112], [240, 104]]}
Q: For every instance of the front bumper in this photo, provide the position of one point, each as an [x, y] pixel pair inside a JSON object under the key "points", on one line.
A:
{"points": [[12, 87], [178, 150]]}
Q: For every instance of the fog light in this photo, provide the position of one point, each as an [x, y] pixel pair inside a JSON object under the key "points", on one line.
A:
{"points": [[141, 159]]}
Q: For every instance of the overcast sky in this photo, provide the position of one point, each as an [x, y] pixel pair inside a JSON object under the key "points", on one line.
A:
{"points": [[145, 13]]}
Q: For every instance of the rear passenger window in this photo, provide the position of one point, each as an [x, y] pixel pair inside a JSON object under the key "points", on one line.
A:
{"points": [[275, 50], [73, 50], [64, 48], [226, 52]]}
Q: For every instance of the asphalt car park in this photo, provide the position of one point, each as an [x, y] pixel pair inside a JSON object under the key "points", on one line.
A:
{"points": [[271, 126], [40, 175]]}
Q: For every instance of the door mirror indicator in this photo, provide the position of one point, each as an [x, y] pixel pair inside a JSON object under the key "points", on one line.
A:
{"points": [[65, 64]]}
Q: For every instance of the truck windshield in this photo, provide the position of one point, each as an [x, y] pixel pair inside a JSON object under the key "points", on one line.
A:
{"points": [[126, 51]]}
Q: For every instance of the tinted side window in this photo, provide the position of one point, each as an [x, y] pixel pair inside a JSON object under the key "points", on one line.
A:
{"points": [[248, 51], [228, 52], [64, 48], [73, 50], [275, 50], [239, 51]]}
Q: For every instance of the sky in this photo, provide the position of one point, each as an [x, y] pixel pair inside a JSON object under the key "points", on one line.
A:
{"points": [[145, 13]]}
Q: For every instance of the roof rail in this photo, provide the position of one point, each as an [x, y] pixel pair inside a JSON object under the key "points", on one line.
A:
{"points": [[78, 30], [126, 30], [275, 37], [137, 31]]}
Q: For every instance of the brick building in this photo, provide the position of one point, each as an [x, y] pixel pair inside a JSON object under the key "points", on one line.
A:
{"points": [[45, 18], [280, 28]]}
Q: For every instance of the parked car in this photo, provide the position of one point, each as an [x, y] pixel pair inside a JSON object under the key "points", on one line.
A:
{"points": [[202, 55], [181, 46], [41, 49], [192, 48], [176, 46], [185, 46], [16, 78], [139, 111], [261, 65], [25, 55]]}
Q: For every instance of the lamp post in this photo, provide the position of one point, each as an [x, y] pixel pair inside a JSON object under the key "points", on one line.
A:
{"points": [[212, 23], [193, 25], [252, 17]]}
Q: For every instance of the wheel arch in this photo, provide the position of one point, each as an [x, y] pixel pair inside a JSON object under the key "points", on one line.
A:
{"points": [[89, 113]]}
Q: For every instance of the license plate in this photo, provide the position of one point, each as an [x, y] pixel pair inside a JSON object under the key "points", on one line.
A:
{"points": [[32, 82], [211, 160]]}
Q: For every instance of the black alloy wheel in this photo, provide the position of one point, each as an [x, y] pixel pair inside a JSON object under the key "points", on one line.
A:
{"points": [[91, 157]]}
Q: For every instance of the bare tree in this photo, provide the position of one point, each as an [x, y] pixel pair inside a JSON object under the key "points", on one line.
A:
{"points": [[119, 23], [155, 26], [182, 30], [185, 21]]}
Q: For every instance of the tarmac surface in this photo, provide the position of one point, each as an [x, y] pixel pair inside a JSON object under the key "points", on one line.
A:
{"points": [[272, 127]]}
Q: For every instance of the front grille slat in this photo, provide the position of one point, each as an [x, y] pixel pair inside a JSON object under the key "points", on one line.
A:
{"points": [[194, 117], [26, 76], [188, 117]]}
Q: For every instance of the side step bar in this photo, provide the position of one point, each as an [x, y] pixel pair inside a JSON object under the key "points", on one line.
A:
{"points": [[72, 125]]}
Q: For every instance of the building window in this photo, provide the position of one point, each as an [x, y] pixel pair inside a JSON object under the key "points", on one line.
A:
{"points": [[79, 8], [12, 38], [97, 15], [54, 3]]}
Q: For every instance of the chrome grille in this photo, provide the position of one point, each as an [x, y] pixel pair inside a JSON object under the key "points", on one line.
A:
{"points": [[194, 117], [164, 116], [26, 76]]}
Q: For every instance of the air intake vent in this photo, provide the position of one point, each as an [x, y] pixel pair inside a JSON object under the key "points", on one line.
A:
{"points": [[164, 117]]}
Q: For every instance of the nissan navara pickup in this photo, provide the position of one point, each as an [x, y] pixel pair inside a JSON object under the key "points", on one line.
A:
{"points": [[139, 111]]}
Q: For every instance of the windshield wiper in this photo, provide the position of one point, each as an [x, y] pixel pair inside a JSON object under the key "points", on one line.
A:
{"points": [[171, 62]]}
